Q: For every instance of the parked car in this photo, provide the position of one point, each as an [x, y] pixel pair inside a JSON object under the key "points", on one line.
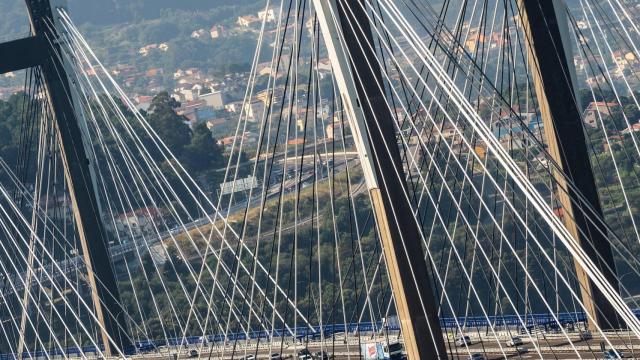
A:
{"points": [[515, 341], [193, 353], [275, 356], [476, 357], [463, 340]]}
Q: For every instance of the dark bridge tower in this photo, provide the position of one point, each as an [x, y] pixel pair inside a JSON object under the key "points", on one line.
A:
{"points": [[42, 49], [365, 106], [549, 47]]}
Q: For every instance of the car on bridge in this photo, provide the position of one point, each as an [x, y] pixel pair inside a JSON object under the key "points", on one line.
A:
{"points": [[304, 354], [586, 335], [321, 355], [515, 341], [393, 350], [463, 340], [614, 354], [526, 329]]}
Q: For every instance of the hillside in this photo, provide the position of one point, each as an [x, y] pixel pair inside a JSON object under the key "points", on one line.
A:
{"points": [[117, 29], [110, 12]]}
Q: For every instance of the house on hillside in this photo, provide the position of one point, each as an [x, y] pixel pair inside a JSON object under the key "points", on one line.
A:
{"points": [[334, 131], [597, 109], [246, 21], [246, 138], [197, 34], [269, 14], [474, 41], [145, 50], [233, 107], [217, 123], [178, 74], [153, 72], [216, 31], [185, 93], [143, 102], [138, 222], [214, 99], [633, 128], [254, 110]]}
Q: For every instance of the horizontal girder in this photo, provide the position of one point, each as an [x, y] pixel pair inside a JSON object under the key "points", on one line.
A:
{"points": [[22, 54]]}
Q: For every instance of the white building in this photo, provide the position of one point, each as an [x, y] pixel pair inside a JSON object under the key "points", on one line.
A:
{"points": [[269, 14], [185, 94], [213, 99], [197, 34], [254, 110], [334, 131], [136, 223], [233, 107], [246, 21], [596, 110], [215, 31]]}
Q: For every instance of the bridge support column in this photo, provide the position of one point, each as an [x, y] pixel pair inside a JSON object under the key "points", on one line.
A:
{"points": [[78, 170], [549, 47], [373, 129]]}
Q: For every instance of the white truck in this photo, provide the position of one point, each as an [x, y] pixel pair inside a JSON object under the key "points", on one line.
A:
{"points": [[381, 351]]}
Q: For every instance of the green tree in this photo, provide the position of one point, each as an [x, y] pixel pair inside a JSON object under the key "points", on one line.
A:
{"points": [[169, 125], [203, 153]]}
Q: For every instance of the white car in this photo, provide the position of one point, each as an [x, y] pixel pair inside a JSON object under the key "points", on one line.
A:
{"points": [[463, 340], [515, 341]]}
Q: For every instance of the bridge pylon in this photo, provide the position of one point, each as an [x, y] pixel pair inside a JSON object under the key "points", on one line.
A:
{"points": [[374, 133], [545, 24], [42, 49]]}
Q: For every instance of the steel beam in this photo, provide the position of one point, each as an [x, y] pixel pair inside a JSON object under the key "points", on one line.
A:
{"points": [[367, 112], [550, 51], [22, 54]]}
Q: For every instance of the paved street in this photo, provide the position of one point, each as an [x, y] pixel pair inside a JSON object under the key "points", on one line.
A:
{"points": [[549, 346]]}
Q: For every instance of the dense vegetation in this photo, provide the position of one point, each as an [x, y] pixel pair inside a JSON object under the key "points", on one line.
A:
{"points": [[196, 148]]}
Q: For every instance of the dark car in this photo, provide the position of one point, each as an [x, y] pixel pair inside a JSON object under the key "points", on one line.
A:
{"points": [[321, 355], [304, 354]]}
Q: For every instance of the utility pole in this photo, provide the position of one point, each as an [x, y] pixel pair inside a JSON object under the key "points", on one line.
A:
{"points": [[372, 125], [549, 46], [42, 49]]}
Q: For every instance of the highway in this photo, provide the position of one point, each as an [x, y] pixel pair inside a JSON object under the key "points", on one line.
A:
{"points": [[492, 347], [151, 241], [550, 346]]}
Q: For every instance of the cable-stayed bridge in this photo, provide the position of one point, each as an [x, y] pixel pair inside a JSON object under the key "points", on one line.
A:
{"points": [[429, 181]]}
